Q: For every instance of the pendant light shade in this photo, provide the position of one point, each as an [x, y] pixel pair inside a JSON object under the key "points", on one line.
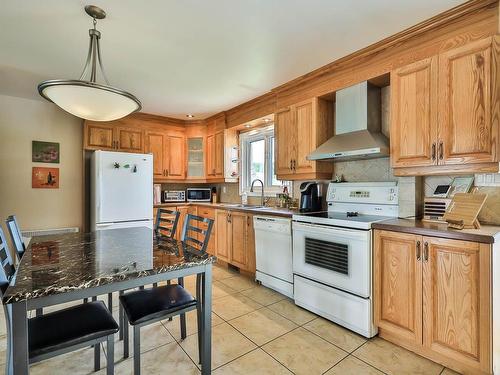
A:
{"points": [[85, 98]]}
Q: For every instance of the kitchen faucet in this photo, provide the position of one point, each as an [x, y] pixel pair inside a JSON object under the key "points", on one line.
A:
{"points": [[262, 195]]}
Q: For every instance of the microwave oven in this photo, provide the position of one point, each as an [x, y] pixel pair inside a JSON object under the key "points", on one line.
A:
{"points": [[174, 196], [198, 194]]}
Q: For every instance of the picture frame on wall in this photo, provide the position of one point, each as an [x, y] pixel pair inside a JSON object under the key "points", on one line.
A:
{"points": [[45, 152], [45, 178]]}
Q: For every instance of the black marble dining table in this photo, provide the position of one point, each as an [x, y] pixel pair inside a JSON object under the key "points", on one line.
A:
{"points": [[68, 267]]}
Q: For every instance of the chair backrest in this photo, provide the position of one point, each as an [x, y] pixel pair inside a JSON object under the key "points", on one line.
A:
{"points": [[166, 222], [15, 234], [196, 231], [7, 269]]}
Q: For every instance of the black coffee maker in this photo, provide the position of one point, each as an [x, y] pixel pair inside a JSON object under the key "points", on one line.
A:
{"points": [[310, 197]]}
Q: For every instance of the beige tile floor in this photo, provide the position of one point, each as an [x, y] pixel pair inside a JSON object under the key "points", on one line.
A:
{"points": [[254, 331]]}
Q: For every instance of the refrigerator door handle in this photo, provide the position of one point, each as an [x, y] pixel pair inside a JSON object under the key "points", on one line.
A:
{"points": [[103, 225]]}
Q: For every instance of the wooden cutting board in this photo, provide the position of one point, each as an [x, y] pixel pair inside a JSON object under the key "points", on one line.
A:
{"points": [[463, 210]]}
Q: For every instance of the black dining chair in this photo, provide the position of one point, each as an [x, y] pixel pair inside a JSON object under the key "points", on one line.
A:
{"points": [[166, 222], [147, 306], [62, 331], [15, 234]]}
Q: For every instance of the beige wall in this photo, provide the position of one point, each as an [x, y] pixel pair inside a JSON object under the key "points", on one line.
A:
{"points": [[21, 122]]}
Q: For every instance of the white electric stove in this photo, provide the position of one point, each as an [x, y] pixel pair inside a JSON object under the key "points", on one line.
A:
{"points": [[332, 253]]}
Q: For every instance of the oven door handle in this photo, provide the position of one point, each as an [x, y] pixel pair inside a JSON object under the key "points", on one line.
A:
{"points": [[323, 229]]}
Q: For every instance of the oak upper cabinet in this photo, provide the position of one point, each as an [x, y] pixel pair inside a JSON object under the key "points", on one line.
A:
{"points": [[176, 165], [130, 139], [221, 229], [299, 130], [398, 281], [219, 154], [113, 136], [468, 133], [283, 122], [433, 296], [215, 155], [156, 144], [457, 301], [168, 155], [210, 156], [445, 112], [414, 114], [98, 136]]}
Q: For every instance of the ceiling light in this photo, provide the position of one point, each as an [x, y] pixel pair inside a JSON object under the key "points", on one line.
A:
{"points": [[267, 120], [189, 115], [84, 97], [248, 126]]}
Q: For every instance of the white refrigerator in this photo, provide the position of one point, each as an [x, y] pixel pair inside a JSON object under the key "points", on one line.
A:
{"points": [[121, 190]]}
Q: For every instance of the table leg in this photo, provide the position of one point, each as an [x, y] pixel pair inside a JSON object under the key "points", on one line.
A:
{"points": [[19, 358], [206, 362]]}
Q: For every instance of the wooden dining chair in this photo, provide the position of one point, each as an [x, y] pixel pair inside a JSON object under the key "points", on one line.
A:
{"points": [[147, 306], [15, 234], [62, 331]]}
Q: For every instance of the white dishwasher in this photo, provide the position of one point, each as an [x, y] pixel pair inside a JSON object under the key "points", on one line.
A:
{"points": [[273, 253]]}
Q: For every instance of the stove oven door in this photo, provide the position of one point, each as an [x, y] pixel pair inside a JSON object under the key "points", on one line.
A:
{"points": [[338, 257]]}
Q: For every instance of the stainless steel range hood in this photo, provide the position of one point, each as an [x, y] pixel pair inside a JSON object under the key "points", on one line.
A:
{"points": [[357, 126]]}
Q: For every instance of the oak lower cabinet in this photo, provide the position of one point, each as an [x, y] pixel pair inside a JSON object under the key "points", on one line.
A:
{"points": [[222, 228], [299, 130], [235, 242], [433, 296], [183, 210], [445, 112], [208, 213]]}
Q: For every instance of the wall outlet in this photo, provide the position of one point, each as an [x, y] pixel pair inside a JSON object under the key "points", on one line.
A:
{"points": [[224, 189]]}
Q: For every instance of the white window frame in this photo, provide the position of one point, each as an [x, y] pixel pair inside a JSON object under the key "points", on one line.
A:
{"points": [[267, 134]]}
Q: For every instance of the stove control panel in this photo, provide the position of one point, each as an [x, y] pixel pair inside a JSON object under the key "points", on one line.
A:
{"points": [[361, 192]]}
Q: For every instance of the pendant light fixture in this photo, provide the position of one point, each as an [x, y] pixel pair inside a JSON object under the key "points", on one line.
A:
{"points": [[84, 97]]}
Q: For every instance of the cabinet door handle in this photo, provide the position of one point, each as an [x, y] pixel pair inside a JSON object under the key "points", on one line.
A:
{"points": [[166, 172], [419, 251], [441, 151], [433, 151], [426, 251], [294, 165], [291, 164]]}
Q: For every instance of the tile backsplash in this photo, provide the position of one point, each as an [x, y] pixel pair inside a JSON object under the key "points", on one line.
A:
{"points": [[485, 183]]}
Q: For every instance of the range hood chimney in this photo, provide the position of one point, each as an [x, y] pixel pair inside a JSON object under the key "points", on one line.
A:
{"points": [[357, 126]]}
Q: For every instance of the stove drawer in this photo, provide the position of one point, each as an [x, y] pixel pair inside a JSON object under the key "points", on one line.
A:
{"points": [[342, 308], [334, 256]]}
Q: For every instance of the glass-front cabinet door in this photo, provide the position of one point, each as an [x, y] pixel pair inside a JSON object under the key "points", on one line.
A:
{"points": [[195, 159]]}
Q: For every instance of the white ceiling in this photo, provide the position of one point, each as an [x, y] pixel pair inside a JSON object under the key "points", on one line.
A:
{"points": [[194, 56]]}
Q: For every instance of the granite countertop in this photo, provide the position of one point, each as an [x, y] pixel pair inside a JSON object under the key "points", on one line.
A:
{"points": [[273, 211], [60, 263], [486, 234]]}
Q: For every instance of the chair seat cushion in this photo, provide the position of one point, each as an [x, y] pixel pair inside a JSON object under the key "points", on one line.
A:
{"points": [[150, 304], [68, 327]]}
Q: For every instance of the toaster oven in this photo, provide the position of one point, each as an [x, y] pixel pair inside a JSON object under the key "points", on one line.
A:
{"points": [[174, 196]]}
